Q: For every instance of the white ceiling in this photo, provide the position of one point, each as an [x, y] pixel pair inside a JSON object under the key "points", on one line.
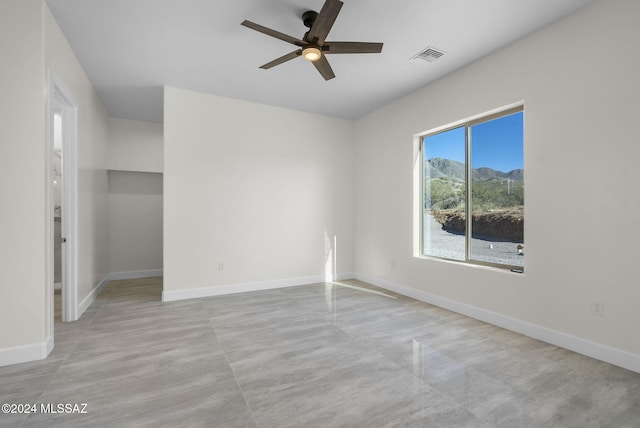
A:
{"points": [[131, 48]]}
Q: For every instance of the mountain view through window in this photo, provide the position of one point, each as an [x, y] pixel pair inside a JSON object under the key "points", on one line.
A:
{"points": [[484, 159]]}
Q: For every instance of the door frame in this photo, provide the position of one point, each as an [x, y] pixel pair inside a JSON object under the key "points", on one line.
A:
{"points": [[61, 95]]}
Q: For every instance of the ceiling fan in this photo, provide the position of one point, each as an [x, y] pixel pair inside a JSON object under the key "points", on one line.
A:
{"points": [[313, 46]]}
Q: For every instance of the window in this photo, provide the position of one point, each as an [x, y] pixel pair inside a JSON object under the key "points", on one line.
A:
{"points": [[473, 191]]}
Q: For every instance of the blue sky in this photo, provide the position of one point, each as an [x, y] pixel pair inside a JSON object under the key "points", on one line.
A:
{"points": [[496, 144]]}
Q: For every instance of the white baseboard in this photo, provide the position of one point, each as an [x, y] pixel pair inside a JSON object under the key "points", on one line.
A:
{"points": [[26, 353], [38, 351], [84, 305], [583, 346], [114, 276], [577, 344], [193, 293]]}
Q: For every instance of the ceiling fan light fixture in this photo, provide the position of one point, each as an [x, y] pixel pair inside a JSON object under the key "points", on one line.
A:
{"points": [[313, 46], [311, 53]]}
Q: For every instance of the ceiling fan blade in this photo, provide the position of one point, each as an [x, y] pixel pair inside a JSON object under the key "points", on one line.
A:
{"points": [[273, 33], [351, 47], [321, 27], [322, 65], [284, 58]]}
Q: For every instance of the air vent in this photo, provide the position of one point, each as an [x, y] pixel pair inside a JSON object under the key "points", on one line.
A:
{"points": [[429, 54]]}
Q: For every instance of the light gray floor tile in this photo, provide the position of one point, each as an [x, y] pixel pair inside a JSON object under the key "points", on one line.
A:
{"points": [[395, 406], [275, 403], [342, 354]]}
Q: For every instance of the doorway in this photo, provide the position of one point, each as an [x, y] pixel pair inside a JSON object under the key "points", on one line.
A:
{"points": [[58, 234], [62, 252]]}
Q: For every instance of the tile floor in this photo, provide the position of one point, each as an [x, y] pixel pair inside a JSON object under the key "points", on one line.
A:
{"points": [[342, 355]]}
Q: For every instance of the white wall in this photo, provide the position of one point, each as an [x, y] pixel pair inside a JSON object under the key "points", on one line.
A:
{"points": [[135, 145], [263, 190], [31, 41], [22, 182], [135, 197], [135, 223], [579, 82], [93, 209]]}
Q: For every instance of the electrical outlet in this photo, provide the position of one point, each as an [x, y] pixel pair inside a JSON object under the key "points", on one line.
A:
{"points": [[220, 266], [597, 309]]}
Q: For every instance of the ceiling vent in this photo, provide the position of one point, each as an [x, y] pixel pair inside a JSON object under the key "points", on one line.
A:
{"points": [[429, 54]]}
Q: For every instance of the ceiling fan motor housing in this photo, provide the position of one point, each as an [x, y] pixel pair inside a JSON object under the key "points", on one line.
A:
{"points": [[309, 17]]}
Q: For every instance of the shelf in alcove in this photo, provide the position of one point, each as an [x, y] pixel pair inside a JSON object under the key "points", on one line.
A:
{"points": [[134, 182], [110, 170]]}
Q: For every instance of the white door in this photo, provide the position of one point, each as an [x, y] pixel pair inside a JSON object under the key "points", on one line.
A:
{"points": [[64, 197]]}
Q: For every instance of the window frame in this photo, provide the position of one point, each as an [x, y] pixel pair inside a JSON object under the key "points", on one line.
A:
{"points": [[467, 124]]}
